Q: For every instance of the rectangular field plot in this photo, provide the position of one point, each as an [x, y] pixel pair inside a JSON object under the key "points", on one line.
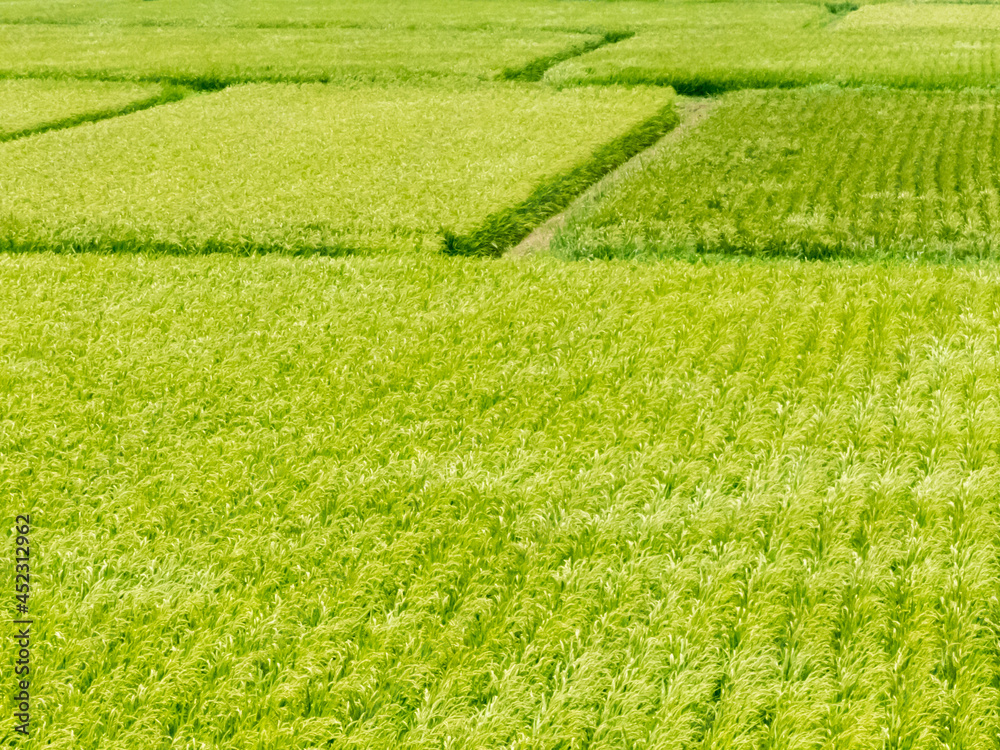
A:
{"points": [[30, 105], [716, 47], [212, 57], [924, 18], [308, 167], [468, 14], [818, 172], [636, 503]]}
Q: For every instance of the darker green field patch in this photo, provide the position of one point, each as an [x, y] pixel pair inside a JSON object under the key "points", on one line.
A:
{"points": [[841, 8], [815, 173]]}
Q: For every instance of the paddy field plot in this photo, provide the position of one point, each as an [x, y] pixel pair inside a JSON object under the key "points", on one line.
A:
{"points": [[214, 57], [928, 18], [709, 48], [818, 172], [464, 14], [308, 168], [30, 105], [399, 502]]}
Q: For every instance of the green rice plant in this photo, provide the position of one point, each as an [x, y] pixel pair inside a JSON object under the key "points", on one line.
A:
{"points": [[465, 14], [308, 168], [818, 173], [211, 58], [713, 48], [927, 19], [415, 502], [36, 105]]}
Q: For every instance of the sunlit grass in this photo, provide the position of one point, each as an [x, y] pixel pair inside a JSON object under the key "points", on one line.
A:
{"points": [[713, 47], [819, 172], [406, 502], [305, 168]]}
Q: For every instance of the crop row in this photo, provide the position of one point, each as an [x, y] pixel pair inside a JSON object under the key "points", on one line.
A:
{"points": [[414, 503], [817, 172]]}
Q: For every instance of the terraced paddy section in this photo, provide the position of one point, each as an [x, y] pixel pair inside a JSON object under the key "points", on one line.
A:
{"points": [[307, 168], [820, 172], [210, 58], [711, 48], [28, 106], [403, 502]]}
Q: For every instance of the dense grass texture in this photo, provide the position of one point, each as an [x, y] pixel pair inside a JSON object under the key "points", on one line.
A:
{"points": [[28, 106], [928, 19], [420, 503], [819, 172], [711, 48], [465, 14], [210, 58], [305, 168]]}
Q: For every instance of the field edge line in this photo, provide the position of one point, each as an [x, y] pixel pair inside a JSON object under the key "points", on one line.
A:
{"points": [[169, 94], [534, 71], [694, 113], [506, 228]]}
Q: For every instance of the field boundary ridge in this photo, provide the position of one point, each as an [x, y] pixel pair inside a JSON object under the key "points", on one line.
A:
{"points": [[507, 227], [534, 71], [170, 93], [693, 113]]}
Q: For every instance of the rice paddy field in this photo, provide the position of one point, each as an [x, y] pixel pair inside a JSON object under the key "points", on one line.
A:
{"points": [[32, 106], [815, 172], [712, 47], [524, 374]]}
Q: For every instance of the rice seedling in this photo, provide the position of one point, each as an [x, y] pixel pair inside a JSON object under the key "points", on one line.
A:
{"points": [[818, 173], [423, 502], [36, 105], [313, 168], [712, 48], [211, 58]]}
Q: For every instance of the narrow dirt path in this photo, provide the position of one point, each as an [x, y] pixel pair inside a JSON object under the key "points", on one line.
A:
{"points": [[692, 112]]}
